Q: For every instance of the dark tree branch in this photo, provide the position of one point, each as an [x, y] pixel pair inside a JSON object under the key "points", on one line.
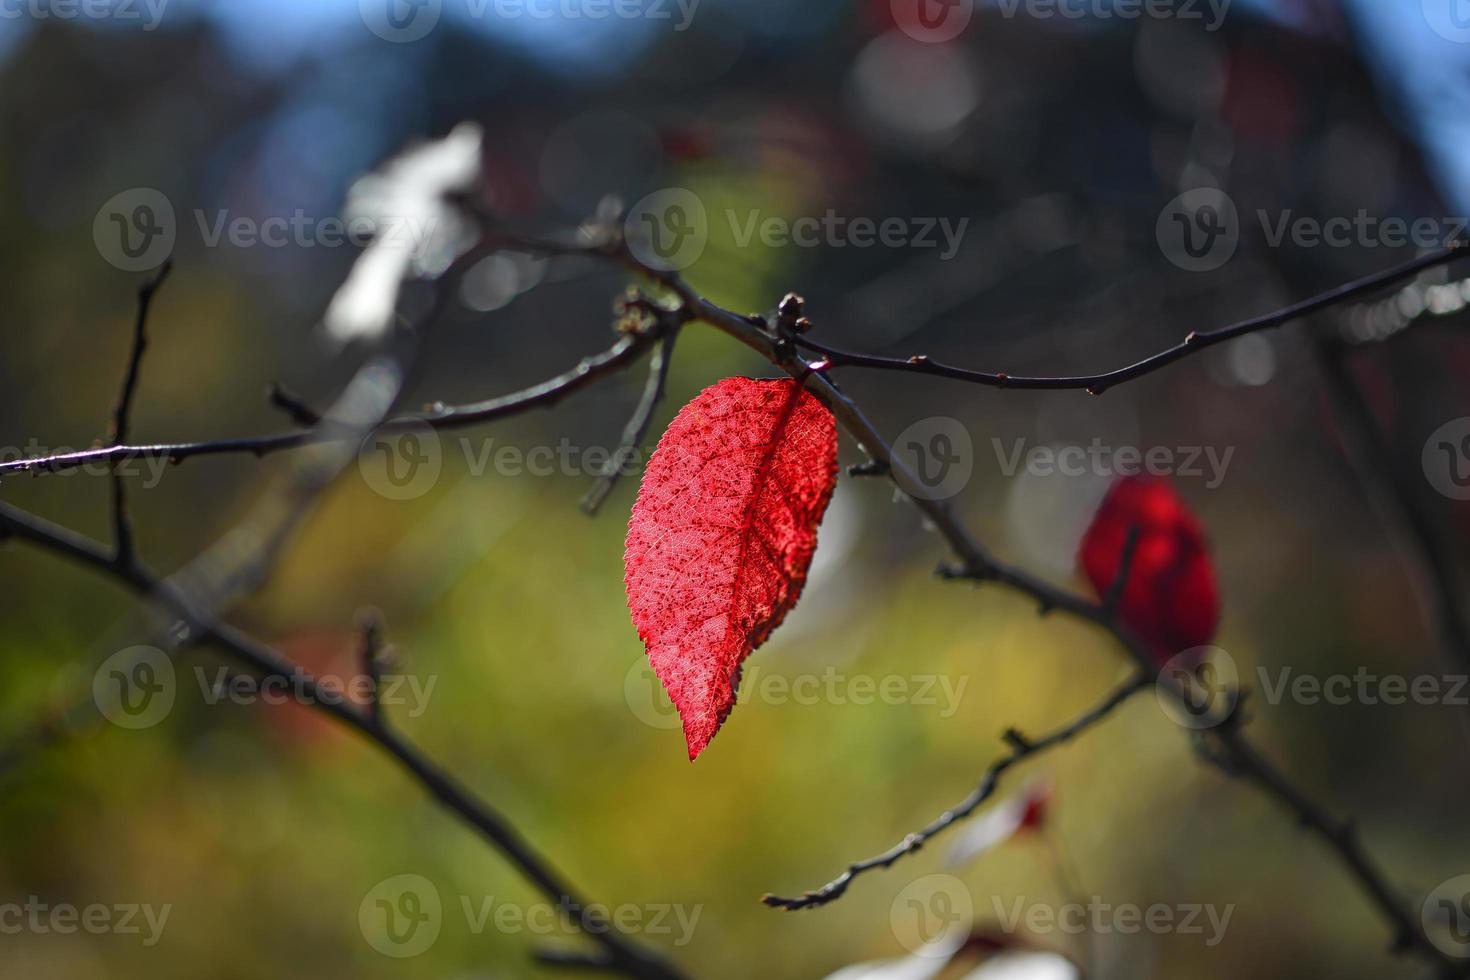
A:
{"points": [[440, 416], [1021, 748], [1194, 342], [122, 415], [194, 595], [976, 563], [868, 467], [1241, 759], [268, 663]]}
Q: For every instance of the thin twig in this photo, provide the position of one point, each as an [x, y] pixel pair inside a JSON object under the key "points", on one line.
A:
{"points": [[702, 309], [638, 425], [1195, 341], [371, 654], [122, 415], [1125, 567], [1399, 501], [1021, 748], [439, 416], [295, 408]]}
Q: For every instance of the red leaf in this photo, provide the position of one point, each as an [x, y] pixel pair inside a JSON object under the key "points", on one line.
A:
{"points": [[1170, 599], [722, 534]]}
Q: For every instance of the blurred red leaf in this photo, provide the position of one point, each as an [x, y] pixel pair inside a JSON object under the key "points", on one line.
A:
{"points": [[1037, 806], [722, 534], [331, 656], [1022, 813], [1170, 598]]}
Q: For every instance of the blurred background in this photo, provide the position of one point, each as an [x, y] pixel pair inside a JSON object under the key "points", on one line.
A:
{"points": [[1058, 147]]}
